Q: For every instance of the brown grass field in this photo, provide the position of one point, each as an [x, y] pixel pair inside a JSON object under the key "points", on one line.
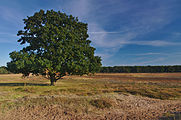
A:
{"points": [[121, 96]]}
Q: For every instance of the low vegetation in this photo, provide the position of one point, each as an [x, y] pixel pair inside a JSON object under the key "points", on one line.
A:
{"points": [[160, 86], [89, 94], [3, 70], [100, 103]]}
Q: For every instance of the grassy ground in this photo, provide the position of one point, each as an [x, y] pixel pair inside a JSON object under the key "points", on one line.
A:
{"points": [[159, 86], [35, 90]]}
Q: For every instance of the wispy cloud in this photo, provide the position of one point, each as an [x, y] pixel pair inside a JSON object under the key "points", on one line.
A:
{"points": [[135, 20], [130, 17], [153, 61], [79, 8], [6, 41], [104, 55], [8, 37], [146, 54], [11, 14], [9, 34], [177, 34], [103, 32], [154, 43]]}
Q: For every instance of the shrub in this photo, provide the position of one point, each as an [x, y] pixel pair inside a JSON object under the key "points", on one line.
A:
{"points": [[100, 103], [3, 70]]}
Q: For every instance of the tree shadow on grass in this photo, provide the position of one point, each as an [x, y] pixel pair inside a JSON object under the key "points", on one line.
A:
{"points": [[23, 84]]}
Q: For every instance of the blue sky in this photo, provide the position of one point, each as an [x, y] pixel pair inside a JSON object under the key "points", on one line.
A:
{"points": [[124, 32]]}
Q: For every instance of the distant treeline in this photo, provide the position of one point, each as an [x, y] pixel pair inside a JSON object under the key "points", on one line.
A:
{"points": [[141, 69], [3, 70]]}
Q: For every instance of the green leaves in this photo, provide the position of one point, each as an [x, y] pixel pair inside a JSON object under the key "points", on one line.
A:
{"points": [[22, 62], [57, 43]]}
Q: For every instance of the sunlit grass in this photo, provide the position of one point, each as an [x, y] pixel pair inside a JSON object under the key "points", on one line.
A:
{"points": [[13, 87]]}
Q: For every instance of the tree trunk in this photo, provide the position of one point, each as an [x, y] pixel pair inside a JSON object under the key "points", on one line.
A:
{"points": [[52, 82], [52, 79]]}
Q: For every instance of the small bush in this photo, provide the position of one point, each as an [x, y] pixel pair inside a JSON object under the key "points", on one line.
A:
{"points": [[100, 103], [3, 70]]}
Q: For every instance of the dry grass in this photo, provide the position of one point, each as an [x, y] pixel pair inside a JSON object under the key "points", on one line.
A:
{"points": [[87, 94], [157, 85]]}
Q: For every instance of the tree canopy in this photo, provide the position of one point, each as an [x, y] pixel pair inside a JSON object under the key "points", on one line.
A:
{"points": [[56, 44]]}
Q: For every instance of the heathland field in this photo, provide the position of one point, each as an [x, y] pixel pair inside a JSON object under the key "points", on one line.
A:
{"points": [[102, 96]]}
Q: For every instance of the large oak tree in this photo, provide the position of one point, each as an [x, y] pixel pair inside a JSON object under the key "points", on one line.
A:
{"points": [[56, 44]]}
